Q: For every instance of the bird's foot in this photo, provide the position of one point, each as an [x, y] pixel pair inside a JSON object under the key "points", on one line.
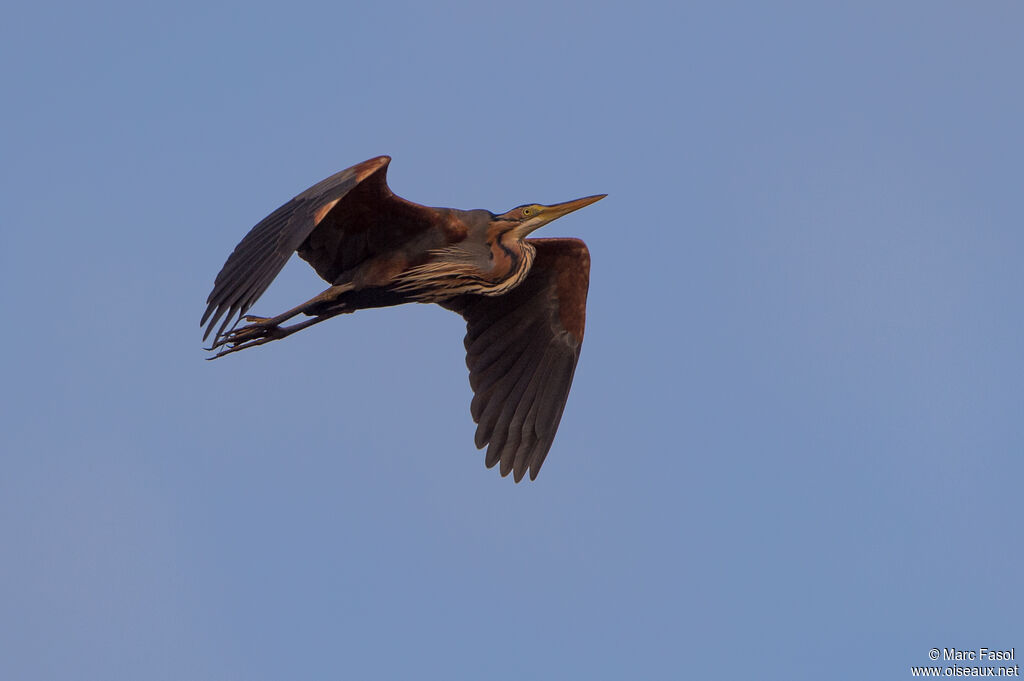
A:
{"points": [[261, 330]]}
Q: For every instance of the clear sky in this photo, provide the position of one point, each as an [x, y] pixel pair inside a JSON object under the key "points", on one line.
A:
{"points": [[794, 444]]}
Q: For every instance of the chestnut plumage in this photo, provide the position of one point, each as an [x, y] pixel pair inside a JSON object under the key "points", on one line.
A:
{"points": [[524, 300]]}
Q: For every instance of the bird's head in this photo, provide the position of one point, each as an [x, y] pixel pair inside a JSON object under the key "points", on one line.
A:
{"points": [[520, 221]]}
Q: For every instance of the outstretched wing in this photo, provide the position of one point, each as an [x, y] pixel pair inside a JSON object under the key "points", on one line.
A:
{"points": [[335, 225], [521, 350]]}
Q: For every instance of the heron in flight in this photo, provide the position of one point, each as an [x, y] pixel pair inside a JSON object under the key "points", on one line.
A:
{"points": [[524, 300]]}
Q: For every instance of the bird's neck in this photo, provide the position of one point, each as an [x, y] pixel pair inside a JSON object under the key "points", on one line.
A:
{"points": [[512, 262], [456, 270]]}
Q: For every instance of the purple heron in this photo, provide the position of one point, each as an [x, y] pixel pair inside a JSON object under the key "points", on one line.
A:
{"points": [[524, 300]]}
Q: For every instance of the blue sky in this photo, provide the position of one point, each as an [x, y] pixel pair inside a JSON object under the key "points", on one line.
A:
{"points": [[793, 447]]}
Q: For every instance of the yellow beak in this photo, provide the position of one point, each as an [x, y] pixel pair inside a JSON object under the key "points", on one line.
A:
{"points": [[559, 209], [550, 213]]}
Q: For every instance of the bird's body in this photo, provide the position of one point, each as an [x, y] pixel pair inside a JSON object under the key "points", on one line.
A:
{"points": [[524, 300]]}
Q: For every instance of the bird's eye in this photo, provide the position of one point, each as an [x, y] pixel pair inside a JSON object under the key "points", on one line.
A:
{"points": [[527, 212]]}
